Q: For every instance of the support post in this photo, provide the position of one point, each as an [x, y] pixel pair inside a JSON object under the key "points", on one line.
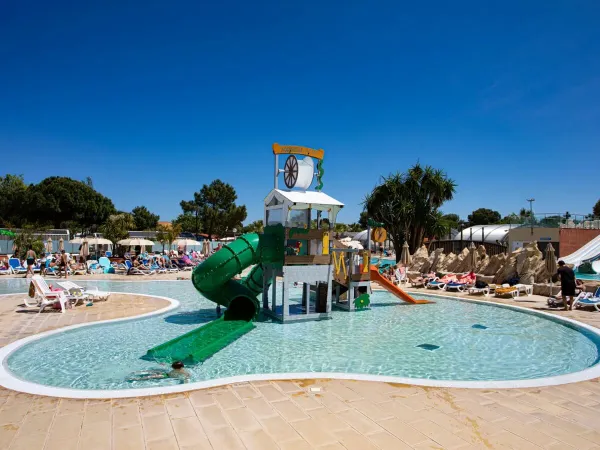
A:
{"points": [[274, 294], [306, 296], [285, 299]]}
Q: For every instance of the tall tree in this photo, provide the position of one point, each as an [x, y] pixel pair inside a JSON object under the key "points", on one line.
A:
{"points": [[62, 199], [13, 191], [484, 216], [596, 210], [216, 208], [144, 219], [452, 220], [363, 219], [117, 227], [254, 227], [188, 222], [408, 204]]}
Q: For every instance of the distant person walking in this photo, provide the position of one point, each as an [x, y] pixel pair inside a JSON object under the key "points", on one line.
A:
{"points": [[30, 258], [567, 284]]}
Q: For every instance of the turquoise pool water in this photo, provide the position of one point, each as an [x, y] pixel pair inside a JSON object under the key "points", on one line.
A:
{"points": [[587, 276], [475, 342]]}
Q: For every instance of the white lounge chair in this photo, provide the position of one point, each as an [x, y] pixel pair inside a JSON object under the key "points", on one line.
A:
{"points": [[44, 297], [92, 292], [475, 290], [6, 271], [527, 289]]}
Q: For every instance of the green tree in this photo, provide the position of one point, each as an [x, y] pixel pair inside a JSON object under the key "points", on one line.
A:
{"points": [[452, 221], [408, 204], [362, 221], [117, 227], [340, 227], [596, 210], [172, 233], [29, 236], [188, 222], [254, 227], [13, 191], [144, 219], [216, 209], [355, 227], [484, 216], [62, 199], [162, 235]]}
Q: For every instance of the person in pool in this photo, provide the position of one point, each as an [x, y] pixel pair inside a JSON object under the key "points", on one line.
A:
{"points": [[179, 372]]}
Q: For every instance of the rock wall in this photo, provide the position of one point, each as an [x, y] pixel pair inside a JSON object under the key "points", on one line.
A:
{"points": [[525, 263]]}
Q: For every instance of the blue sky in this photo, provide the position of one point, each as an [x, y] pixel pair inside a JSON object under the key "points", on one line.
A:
{"points": [[154, 99]]}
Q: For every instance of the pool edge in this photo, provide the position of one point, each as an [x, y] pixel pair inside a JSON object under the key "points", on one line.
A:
{"points": [[10, 381]]}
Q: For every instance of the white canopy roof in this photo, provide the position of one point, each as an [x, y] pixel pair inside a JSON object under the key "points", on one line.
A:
{"points": [[316, 200], [304, 200], [490, 233]]}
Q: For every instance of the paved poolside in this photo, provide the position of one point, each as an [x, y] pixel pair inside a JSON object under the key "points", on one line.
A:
{"points": [[300, 414]]}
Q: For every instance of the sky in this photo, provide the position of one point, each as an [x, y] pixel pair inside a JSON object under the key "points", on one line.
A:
{"points": [[154, 99]]}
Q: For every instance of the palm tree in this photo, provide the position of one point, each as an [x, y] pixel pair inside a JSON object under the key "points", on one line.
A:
{"points": [[408, 204], [162, 232], [172, 233]]}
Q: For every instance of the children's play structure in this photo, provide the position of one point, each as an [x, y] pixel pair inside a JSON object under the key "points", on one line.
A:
{"points": [[297, 248]]}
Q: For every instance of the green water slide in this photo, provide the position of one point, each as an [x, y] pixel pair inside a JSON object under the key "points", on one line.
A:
{"points": [[213, 279]]}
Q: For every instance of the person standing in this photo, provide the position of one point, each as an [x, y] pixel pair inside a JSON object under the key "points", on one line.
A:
{"points": [[64, 264], [567, 284], [30, 258]]}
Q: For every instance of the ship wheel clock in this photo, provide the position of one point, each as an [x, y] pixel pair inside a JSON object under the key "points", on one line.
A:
{"points": [[290, 171]]}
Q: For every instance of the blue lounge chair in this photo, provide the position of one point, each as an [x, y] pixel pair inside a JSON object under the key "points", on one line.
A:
{"points": [[589, 301], [16, 266]]}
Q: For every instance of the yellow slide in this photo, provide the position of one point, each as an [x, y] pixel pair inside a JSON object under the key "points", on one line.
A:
{"points": [[392, 288]]}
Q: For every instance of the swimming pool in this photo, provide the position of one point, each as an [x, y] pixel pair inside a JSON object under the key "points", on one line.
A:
{"points": [[447, 340], [587, 276]]}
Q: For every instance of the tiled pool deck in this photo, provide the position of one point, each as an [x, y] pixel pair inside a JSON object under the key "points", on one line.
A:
{"points": [[300, 414]]}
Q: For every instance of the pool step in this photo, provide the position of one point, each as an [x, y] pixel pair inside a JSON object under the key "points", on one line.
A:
{"points": [[200, 344]]}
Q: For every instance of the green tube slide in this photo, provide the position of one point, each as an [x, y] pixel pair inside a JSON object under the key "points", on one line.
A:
{"points": [[213, 279]]}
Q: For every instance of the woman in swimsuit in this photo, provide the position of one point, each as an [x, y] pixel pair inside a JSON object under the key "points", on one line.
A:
{"points": [[31, 256]]}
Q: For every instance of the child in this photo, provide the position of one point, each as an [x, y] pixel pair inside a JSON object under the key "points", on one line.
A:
{"points": [[179, 372]]}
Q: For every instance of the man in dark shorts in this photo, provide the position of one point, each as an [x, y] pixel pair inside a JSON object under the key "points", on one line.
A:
{"points": [[567, 283], [63, 264]]}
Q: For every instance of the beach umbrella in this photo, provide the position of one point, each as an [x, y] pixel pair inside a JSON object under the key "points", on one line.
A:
{"points": [[550, 263], [49, 245], [135, 241], [61, 244], [354, 244], [405, 255], [84, 250], [185, 242], [472, 256]]}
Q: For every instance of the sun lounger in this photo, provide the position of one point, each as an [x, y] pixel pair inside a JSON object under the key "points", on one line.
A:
{"points": [[44, 297], [16, 266], [135, 271], [441, 283], [91, 292], [475, 290], [6, 271], [527, 289]]}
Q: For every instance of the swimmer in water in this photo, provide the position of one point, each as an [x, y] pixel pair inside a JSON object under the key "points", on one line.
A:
{"points": [[179, 372]]}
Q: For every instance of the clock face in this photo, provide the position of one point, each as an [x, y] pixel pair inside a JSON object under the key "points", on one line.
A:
{"points": [[378, 234]]}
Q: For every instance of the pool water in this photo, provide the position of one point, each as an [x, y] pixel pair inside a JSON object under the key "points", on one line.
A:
{"points": [[447, 340], [588, 276]]}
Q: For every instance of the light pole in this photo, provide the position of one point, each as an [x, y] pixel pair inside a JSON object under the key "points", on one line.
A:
{"points": [[531, 200]]}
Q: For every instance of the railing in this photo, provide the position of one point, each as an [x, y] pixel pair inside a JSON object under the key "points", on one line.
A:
{"points": [[556, 220], [312, 240]]}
